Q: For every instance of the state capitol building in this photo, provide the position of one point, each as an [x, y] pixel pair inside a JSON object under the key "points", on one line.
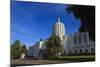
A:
{"points": [[77, 42]]}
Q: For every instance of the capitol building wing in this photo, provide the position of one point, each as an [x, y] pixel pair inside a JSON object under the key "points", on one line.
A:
{"points": [[77, 42]]}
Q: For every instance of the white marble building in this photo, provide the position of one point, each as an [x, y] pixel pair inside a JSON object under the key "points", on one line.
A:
{"points": [[76, 43], [80, 43], [36, 48]]}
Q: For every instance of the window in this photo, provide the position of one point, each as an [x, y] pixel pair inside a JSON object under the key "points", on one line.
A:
{"points": [[85, 37], [75, 40], [64, 52], [86, 50], [92, 49], [80, 50], [80, 39], [75, 51], [69, 52]]}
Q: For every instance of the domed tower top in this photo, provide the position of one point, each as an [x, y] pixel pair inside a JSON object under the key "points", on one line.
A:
{"points": [[59, 28], [58, 19]]}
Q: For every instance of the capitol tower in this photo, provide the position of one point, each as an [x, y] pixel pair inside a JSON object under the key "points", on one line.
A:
{"points": [[59, 29]]}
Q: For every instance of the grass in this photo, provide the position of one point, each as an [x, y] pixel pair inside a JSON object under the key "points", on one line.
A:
{"points": [[91, 56], [56, 60], [76, 58]]}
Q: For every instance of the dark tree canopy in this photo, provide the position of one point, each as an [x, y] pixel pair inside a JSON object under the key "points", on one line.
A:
{"points": [[53, 45], [87, 16], [24, 49]]}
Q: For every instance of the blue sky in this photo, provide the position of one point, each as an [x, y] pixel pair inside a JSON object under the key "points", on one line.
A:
{"points": [[31, 21]]}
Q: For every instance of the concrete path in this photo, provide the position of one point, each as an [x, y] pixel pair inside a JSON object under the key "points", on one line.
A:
{"points": [[19, 62]]}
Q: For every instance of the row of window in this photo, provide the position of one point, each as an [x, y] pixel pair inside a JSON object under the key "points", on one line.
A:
{"points": [[86, 50], [85, 39]]}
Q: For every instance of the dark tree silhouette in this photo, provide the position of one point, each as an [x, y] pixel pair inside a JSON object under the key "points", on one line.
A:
{"points": [[24, 49], [87, 16], [53, 46]]}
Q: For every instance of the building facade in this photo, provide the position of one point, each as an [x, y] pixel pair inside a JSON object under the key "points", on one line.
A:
{"points": [[78, 42]]}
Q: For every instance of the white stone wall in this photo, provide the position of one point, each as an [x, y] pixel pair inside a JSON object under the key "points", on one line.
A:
{"points": [[80, 46], [35, 49]]}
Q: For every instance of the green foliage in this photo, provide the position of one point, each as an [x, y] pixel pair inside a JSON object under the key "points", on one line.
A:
{"points": [[53, 46], [17, 49], [24, 49], [87, 16]]}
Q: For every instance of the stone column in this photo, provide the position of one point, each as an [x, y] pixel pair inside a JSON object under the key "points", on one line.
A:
{"points": [[87, 35], [59, 29], [77, 37], [82, 39]]}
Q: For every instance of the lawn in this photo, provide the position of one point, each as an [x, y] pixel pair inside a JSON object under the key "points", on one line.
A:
{"points": [[90, 56], [77, 58], [59, 59]]}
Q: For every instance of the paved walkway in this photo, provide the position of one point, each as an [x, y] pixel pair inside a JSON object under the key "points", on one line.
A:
{"points": [[36, 62]]}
